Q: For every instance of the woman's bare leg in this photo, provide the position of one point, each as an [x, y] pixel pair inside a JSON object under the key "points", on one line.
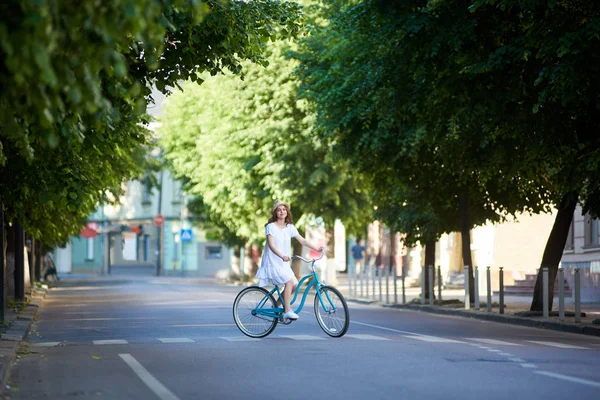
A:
{"points": [[290, 287]]}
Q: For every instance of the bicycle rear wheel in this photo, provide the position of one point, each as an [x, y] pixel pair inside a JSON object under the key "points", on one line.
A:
{"points": [[334, 320], [247, 320]]}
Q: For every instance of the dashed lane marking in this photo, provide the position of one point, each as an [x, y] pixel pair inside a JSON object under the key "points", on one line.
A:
{"points": [[114, 341], [527, 365], [46, 344], [301, 337], [176, 340], [493, 341], [239, 339], [366, 337], [559, 345], [433, 339]]}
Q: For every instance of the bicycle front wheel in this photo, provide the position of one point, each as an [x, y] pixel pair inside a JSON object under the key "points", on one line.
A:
{"points": [[245, 316], [332, 312]]}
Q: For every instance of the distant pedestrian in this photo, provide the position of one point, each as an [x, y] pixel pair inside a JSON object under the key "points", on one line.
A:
{"points": [[50, 267], [275, 266], [358, 251]]}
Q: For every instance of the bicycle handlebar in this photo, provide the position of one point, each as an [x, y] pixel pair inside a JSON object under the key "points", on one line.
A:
{"points": [[323, 250]]}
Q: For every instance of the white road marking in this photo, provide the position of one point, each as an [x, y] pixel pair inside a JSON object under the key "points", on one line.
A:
{"points": [[367, 337], [517, 360], [114, 341], [559, 345], [388, 329], [176, 340], [432, 339], [158, 388], [493, 341], [527, 365], [46, 344], [239, 339], [198, 325], [302, 337], [569, 378], [505, 354], [495, 351]]}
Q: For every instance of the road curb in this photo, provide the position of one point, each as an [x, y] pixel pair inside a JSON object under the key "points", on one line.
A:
{"points": [[503, 318], [10, 341]]}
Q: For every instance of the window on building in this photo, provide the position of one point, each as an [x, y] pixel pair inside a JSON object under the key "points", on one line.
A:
{"points": [[570, 244], [214, 252], [146, 193], [177, 192], [591, 230], [90, 248]]}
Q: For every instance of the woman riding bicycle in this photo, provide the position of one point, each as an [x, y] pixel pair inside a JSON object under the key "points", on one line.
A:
{"points": [[275, 266]]}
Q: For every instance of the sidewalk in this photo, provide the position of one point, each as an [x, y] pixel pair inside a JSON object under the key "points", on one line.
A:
{"points": [[516, 310], [15, 327]]}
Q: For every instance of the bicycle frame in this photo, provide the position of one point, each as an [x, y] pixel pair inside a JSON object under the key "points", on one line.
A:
{"points": [[278, 312]]}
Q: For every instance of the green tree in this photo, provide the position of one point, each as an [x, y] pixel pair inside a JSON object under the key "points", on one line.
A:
{"points": [[75, 80], [243, 144], [377, 74]]}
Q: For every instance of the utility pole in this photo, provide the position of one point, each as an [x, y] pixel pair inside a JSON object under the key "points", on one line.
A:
{"points": [[159, 227]]}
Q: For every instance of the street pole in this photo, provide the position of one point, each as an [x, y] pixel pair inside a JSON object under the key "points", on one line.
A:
{"points": [[467, 297], [159, 227], [545, 292], [431, 285], [501, 295], [476, 289], [561, 294], [488, 274]]}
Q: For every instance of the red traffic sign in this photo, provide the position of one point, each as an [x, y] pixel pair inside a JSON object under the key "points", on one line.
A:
{"points": [[159, 220], [88, 233]]}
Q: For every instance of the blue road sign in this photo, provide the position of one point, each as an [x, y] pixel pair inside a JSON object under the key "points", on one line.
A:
{"points": [[186, 235]]}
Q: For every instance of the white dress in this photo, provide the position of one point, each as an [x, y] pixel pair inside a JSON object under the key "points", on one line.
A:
{"points": [[273, 270]]}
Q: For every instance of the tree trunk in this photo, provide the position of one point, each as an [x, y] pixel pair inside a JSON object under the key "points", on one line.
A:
{"points": [[19, 263], [235, 261], [2, 264], [38, 261], [554, 250], [429, 260], [31, 256], [465, 232], [393, 251]]}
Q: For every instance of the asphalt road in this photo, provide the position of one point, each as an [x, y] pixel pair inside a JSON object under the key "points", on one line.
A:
{"points": [[169, 339]]}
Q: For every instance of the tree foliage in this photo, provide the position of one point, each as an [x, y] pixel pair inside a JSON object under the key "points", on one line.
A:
{"points": [[75, 80], [243, 144]]}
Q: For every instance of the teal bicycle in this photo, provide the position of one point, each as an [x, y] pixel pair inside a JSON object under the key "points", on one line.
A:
{"points": [[256, 314]]}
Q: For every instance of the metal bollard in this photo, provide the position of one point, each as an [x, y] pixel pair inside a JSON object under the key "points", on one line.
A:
{"points": [[366, 282], [395, 284], [501, 295], [561, 294], [387, 286], [467, 297], [430, 285], [476, 288], [361, 276], [350, 273], [577, 296], [373, 275], [439, 285], [545, 291], [379, 273], [403, 288], [489, 289], [423, 284]]}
